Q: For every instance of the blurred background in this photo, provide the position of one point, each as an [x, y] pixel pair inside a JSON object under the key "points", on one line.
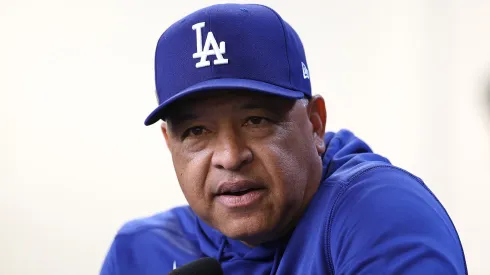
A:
{"points": [[410, 77]]}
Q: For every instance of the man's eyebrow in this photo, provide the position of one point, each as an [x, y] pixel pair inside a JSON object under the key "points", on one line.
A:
{"points": [[255, 105], [182, 117]]}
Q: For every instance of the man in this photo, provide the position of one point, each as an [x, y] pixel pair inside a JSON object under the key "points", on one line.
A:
{"points": [[269, 191]]}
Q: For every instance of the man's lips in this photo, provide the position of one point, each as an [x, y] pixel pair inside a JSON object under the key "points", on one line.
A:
{"points": [[239, 194], [237, 188]]}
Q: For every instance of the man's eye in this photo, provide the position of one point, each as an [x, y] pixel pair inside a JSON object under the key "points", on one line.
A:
{"points": [[194, 131], [256, 120]]}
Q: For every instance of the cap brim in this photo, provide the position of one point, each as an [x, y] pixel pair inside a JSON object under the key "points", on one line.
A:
{"points": [[220, 84]]}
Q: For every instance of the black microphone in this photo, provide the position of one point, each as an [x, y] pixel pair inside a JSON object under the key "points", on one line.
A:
{"points": [[207, 265]]}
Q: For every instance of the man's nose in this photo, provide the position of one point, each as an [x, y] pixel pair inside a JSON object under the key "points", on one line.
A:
{"points": [[231, 151]]}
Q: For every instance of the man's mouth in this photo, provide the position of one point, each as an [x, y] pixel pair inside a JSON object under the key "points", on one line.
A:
{"points": [[238, 188], [238, 194]]}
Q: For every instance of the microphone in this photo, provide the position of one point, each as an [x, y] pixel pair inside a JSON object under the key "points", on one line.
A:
{"points": [[207, 265]]}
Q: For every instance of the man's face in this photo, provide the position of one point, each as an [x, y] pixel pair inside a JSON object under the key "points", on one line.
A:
{"points": [[247, 163]]}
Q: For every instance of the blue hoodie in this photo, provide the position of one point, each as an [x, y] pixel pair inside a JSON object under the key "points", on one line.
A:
{"points": [[367, 217]]}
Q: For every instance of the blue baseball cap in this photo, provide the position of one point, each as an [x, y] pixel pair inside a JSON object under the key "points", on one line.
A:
{"points": [[245, 47]]}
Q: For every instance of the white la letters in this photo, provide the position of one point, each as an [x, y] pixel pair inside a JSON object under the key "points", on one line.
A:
{"points": [[204, 52]]}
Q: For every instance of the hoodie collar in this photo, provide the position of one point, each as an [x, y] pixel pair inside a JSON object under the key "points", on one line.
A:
{"points": [[215, 244]]}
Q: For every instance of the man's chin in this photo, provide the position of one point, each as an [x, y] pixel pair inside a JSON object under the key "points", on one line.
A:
{"points": [[247, 230]]}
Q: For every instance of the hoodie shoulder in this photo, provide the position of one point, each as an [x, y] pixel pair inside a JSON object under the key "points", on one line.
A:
{"points": [[175, 220], [175, 227], [382, 218], [385, 220], [159, 241]]}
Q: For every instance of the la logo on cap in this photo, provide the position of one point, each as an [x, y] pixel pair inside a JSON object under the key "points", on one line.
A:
{"points": [[204, 52]]}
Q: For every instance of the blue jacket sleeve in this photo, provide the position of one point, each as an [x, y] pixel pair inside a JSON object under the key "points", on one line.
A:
{"points": [[109, 266], [143, 252], [388, 222]]}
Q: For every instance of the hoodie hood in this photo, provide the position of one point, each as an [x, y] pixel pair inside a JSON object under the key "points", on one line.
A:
{"points": [[344, 155]]}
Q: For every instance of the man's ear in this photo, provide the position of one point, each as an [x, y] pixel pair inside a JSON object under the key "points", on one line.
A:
{"points": [[317, 114], [164, 127]]}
